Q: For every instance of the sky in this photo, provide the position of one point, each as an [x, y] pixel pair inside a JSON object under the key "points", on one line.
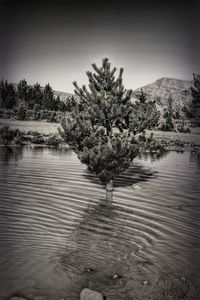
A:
{"points": [[57, 41]]}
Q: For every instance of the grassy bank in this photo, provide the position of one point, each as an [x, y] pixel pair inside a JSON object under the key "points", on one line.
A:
{"points": [[192, 137], [178, 140], [41, 127]]}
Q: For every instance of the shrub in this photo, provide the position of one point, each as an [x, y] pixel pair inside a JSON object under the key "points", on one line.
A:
{"points": [[36, 115], [9, 136], [178, 143], [18, 139], [166, 125], [156, 148], [51, 117], [31, 132], [38, 139], [177, 115], [54, 140], [183, 128], [21, 113]]}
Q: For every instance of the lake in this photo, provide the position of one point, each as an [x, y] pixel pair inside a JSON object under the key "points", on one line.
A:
{"points": [[58, 235]]}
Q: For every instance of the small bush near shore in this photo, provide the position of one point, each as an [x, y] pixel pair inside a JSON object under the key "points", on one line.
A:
{"points": [[16, 137], [21, 113], [37, 140], [9, 136], [166, 126], [54, 140], [34, 133], [153, 146], [183, 128], [178, 143]]}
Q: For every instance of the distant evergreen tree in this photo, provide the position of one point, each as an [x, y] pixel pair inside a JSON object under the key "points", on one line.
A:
{"points": [[142, 96], [37, 97], [145, 114], [22, 91], [70, 103], [1, 92], [21, 113], [48, 98], [65, 106], [101, 127], [195, 105], [59, 104], [7, 95], [168, 116]]}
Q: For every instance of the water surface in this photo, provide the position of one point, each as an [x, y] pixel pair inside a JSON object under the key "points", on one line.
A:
{"points": [[57, 233]]}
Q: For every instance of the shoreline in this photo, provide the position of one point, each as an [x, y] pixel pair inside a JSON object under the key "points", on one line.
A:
{"points": [[175, 141]]}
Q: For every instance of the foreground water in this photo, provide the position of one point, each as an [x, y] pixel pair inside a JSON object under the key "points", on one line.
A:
{"points": [[58, 235]]}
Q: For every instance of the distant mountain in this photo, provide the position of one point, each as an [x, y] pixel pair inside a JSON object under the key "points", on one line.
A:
{"points": [[62, 95], [161, 89]]}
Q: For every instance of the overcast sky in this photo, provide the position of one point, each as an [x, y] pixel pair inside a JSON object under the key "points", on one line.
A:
{"points": [[56, 41]]}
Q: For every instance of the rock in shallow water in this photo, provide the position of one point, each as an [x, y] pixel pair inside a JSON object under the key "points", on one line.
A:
{"points": [[137, 187], [88, 294], [145, 282]]}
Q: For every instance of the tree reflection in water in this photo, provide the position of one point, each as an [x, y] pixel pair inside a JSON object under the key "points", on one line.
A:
{"points": [[195, 157], [103, 253], [11, 154]]}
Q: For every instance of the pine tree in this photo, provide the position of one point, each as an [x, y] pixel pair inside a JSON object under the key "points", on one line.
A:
{"points": [[70, 103], [48, 98], [1, 92], [145, 113], [7, 95], [142, 96], [195, 105], [37, 96], [22, 91], [101, 128], [168, 116]]}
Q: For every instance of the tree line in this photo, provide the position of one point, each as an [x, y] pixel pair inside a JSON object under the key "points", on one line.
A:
{"points": [[31, 97]]}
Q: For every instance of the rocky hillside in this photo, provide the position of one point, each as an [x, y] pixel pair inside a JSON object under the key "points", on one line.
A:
{"points": [[161, 89], [62, 95]]}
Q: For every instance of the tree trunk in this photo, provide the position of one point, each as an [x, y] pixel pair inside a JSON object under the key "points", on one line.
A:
{"points": [[109, 191]]}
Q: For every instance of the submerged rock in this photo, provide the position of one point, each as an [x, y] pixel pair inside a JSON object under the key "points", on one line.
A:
{"points": [[88, 294], [89, 270], [145, 282], [116, 276], [137, 187]]}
